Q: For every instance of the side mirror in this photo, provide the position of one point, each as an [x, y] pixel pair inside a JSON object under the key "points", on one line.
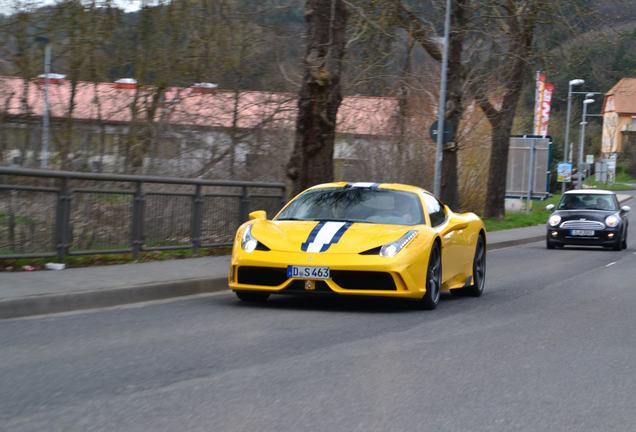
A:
{"points": [[626, 209], [258, 214], [549, 207]]}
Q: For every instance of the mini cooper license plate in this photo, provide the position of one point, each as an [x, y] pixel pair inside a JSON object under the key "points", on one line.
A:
{"points": [[582, 232], [307, 272]]}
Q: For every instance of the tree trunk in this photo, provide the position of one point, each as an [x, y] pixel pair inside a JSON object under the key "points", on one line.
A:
{"points": [[455, 82], [320, 94], [496, 195], [454, 104]]}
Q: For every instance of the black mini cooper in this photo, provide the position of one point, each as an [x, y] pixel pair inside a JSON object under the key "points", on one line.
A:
{"points": [[588, 217]]}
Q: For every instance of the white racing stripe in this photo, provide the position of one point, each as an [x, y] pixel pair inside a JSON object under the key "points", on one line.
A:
{"points": [[363, 184], [324, 236]]}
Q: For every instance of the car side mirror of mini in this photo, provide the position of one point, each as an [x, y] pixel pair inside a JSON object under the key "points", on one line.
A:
{"points": [[549, 207], [258, 214], [625, 209]]}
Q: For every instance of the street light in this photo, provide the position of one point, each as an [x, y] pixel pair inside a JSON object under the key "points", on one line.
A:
{"points": [[567, 156], [579, 165]]}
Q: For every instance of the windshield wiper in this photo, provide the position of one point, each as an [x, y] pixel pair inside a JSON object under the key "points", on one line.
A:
{"points": [[293, 219]]}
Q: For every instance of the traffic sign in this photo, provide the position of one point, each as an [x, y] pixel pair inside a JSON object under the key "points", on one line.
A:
{"points": [[449, 131]]}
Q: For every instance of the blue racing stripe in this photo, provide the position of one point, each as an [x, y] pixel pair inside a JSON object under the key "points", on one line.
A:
{"points": [[336, 236], [312, 236]]}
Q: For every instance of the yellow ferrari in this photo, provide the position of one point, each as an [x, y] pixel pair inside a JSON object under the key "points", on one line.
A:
{"points": [[360, 239]]}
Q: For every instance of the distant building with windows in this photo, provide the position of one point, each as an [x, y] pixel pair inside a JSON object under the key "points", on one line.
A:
{"points": [[619, 117]]}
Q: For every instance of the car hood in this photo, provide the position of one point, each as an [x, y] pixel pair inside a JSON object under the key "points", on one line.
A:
{"points": [[332, 237], [591, 215]]}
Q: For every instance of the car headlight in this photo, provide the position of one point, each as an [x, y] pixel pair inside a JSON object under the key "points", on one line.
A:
{"points": [[248, 242], [393, 248], [554, 220], [611, 221]]}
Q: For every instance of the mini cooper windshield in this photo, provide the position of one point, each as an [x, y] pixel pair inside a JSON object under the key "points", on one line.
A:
{"points": [[586, 201], [356, 204]]}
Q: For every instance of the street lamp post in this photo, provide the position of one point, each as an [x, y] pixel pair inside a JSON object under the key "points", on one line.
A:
{"points": [[579, 165], [567, 155], [439, 152]]}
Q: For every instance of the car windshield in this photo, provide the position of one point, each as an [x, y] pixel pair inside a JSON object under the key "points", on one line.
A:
{"points": [[587, 201], [356, 204]]}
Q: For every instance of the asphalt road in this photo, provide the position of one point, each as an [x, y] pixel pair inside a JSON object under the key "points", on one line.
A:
{"points": [[551, 346]]}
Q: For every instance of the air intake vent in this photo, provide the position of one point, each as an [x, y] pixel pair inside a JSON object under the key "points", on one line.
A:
{"points": [[266, 276], [363, 280]]}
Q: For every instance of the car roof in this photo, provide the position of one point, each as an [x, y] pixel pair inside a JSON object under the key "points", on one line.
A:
{"points": [[590, 191], [390, 186]]}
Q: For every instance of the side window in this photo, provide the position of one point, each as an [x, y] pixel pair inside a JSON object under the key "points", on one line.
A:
{"points": [[435, 210]]}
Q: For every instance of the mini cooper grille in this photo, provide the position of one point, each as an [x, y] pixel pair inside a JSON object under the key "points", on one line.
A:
{"points": [[267, 276], [363, 280], [583, 225]]}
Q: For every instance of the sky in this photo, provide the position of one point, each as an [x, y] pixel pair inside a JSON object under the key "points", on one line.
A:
{"points": [[7, 7]]}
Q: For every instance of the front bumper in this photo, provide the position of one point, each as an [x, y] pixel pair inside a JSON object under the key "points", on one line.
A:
{"points": [[351, 274], [606, 237]]}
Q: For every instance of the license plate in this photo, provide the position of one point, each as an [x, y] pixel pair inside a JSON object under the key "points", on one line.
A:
{"points": [[305, 272], [582, 232]]}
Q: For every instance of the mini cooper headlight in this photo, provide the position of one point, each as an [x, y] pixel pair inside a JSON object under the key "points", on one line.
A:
{"points": [[611, 221], [554, 220], [393, 248], [248, 242]]}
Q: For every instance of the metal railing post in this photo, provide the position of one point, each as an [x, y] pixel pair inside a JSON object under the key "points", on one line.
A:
{"points": [[244, 206], [138, 220], [197, 218], [283, 197], [62, 220]]}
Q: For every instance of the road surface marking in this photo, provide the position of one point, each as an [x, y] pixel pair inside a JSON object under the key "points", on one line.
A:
{"points": [[611, 264]]}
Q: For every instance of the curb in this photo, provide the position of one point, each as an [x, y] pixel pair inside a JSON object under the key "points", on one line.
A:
{"points": [[55, 303], [516, 242]]}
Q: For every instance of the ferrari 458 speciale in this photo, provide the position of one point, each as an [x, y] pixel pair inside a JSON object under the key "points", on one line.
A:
{"points": [[360, 239]]}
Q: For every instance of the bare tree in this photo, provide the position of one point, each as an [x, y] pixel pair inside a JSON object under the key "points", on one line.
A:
{"points": [[320, 94]]}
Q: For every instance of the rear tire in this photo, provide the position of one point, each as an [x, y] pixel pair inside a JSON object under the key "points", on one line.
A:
{"points": [[433, 280], [252, 297]]}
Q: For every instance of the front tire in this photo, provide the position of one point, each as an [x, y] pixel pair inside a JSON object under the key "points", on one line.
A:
{"points": [[433, 280], [479, 270], [624, 242], [550, 244], [252, 297]]}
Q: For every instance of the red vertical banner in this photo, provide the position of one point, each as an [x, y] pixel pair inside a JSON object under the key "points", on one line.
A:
{"points": [[546, 102], [538, 102]]}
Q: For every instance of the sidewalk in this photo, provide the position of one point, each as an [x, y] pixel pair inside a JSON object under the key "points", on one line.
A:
{"points": [[42, 292]]}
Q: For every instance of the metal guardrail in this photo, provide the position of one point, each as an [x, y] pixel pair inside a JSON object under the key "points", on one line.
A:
{"points": [[47, 213]]}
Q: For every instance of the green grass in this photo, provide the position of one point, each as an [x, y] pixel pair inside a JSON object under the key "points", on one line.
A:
{"points": [[538, 215], [107, 259], [623, 181]]}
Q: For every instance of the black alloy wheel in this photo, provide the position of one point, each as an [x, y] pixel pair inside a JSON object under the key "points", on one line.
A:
{"points": [[433, 280], [252, 297], [479, 270]]}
